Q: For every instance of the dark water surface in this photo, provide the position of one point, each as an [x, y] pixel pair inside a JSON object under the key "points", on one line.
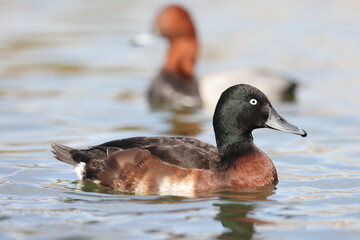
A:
{"points": [[69, 75]]}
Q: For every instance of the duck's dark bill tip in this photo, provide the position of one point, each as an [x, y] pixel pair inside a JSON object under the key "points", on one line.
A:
{"points": [[300, 132], [304, 134]]}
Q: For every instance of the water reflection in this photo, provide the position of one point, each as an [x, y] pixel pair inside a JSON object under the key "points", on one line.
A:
{"points": [[235, 215], [185, 123], [235, 208]]}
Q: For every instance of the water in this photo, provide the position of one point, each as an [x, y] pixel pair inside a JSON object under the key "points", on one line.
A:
{"points": [[69, 75]]}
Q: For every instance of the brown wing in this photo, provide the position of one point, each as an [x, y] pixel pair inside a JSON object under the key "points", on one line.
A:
{"points": [[180, 151], [134, 170]]}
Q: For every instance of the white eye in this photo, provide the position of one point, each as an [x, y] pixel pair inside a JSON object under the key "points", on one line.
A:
{"points": [[253, 101]]}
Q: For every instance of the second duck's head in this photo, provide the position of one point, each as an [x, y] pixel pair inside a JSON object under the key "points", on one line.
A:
{"points": [[175, 22]]}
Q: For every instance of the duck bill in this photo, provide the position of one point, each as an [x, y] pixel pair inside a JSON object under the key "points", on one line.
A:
{"points": [[275, 121], [146, 38]]}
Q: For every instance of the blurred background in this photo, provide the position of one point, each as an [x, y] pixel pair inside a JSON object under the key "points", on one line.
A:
{"points": [[69, 74]]}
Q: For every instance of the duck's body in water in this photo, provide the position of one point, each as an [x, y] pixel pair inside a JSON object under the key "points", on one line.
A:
{"points": [[175, 165]]}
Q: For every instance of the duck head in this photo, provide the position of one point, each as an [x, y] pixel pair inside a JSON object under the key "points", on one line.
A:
{"points": [[175, 24], [241, 109]]}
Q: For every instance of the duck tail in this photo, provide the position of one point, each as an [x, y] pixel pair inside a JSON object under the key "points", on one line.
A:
{"points": [[63, 153]]}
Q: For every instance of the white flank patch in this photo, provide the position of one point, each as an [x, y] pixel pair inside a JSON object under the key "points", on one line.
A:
{"points": [[97, 181], [182, 187], [80, 170], [141, 189]]}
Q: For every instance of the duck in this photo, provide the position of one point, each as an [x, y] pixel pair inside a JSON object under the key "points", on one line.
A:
{"points": [[183, 165], [176, 86]]}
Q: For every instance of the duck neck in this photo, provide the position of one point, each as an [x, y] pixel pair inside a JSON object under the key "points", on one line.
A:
{"points": [[181, 57], [233, 146]]}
